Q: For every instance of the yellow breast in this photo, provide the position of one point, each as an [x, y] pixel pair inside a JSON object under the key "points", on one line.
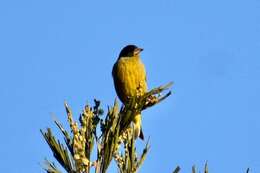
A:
{"points": [[129, 77]]}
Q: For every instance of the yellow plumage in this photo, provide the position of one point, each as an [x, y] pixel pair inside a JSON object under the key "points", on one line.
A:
{"points": [[130, 79]]}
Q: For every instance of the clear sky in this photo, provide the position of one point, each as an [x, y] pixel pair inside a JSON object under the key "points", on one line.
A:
{"points": [[53, 51]]}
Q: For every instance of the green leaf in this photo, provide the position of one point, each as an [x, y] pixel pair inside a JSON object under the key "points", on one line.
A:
{"points": [[177, 169], [59, 151], [50, 167]]}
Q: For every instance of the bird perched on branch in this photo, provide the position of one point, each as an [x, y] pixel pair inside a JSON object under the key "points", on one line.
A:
{"points": [[130, 80]]}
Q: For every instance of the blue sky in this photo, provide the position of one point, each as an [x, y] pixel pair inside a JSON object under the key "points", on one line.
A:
{"points": [[53, 51]]}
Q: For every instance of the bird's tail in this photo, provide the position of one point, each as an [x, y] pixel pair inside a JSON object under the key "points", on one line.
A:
{"points": [[138, 127]]}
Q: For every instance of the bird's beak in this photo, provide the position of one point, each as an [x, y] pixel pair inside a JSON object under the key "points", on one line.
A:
{"points": [[138, 50]]}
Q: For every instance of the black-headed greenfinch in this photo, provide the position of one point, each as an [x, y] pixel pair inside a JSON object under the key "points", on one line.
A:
{"points": [[130, 80]]}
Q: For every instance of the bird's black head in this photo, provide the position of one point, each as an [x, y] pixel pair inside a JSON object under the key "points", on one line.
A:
{"points": [[130, 51]]}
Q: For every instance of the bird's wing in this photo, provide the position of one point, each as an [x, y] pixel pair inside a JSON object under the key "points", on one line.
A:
{"points": [[117, 81]]}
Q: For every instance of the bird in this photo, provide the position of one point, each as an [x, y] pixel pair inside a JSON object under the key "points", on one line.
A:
{"points": [[129, 76]]}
